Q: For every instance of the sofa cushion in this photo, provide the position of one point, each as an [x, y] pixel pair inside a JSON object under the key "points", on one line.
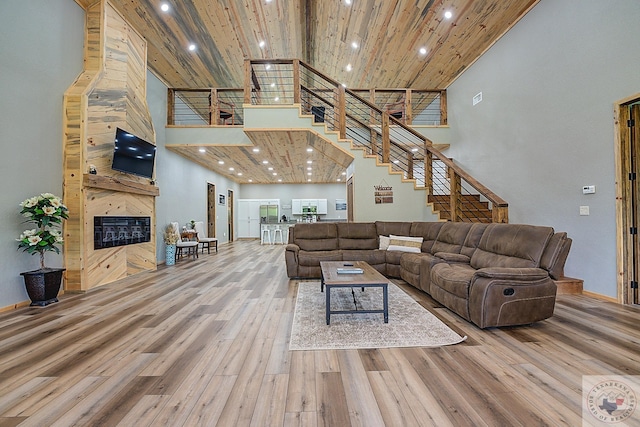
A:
{"points": [[386, 228], [451, 237], [555, 255], [428, 231], [316, 237], [473, 239], [357, 235], [313, 258], [511, 245], [453, 278], [384, 243], [371, 257], [404, 243]]}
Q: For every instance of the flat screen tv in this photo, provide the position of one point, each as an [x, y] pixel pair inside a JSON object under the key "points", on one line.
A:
{"points": [[133, 155]]}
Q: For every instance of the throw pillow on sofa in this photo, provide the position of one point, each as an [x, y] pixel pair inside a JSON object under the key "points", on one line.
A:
{"points": [[384, 243], [405, 244]]}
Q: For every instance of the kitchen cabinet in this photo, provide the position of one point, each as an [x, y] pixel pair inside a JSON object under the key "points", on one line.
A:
{"points": [[249, 216], [298, 205], [322, 206]]}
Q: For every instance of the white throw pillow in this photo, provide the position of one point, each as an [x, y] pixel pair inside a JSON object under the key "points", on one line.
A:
{"points": [[384, 243], [405, 244]]}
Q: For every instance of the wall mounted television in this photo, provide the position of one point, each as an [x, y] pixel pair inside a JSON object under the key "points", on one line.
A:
{"points": [[133, 155]]}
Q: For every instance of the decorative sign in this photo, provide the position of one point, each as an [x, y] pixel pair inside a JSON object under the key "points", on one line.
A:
{"points": [[341, 204], [383, 193]]}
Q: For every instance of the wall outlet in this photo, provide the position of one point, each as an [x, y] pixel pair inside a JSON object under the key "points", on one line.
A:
{"points": [[584, 210]]}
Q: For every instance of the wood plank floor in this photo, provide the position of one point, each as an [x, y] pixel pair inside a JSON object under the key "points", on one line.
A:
{"points": [[205, 343]]}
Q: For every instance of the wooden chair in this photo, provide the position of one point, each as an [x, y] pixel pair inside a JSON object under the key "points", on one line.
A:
{"points": [[203, 240], [189, 247]]}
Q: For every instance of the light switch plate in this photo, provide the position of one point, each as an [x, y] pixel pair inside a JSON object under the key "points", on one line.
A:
{"points": [[584, 210]]}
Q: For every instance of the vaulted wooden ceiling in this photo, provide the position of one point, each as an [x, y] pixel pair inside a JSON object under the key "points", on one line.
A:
{"points": [[388, 34]]}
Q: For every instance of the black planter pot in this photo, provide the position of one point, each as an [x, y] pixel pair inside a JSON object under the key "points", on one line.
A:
{"points": [[43, 285]]}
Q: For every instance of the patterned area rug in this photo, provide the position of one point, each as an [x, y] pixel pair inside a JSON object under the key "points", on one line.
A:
{"points": [[410, 325]]}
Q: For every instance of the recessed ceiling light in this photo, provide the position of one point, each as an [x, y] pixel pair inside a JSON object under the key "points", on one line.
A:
{"points": [[268, 1], [279, 179], [338, 180], [309, 180], [275, 174], [164, 7], [268, 66], [423, 51], [261, 44], [256, 150], [192, 47], [309, 169], [347, 1], [396, 161], [221, 162], [250, 180], [308, 173], [265, 162], [270, 168], [202, 150], [344, 173], [414, 150], [309, 150], [239, 173], [354, 45], [309, 162], [277, 98], [344, 85], [448, 14], [273, 85], [348, 67], [231, 169]]}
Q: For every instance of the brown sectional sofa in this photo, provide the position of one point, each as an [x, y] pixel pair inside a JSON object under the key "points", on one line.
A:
{"points": [[490, 274]]}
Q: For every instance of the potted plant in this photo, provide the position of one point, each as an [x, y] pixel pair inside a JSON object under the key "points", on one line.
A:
{"points": [[170, 240], [47, 212]]}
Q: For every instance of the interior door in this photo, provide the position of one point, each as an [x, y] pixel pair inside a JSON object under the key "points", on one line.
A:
{"points": [[350, 199], [634, 176], [211, 210], [230, 213]]}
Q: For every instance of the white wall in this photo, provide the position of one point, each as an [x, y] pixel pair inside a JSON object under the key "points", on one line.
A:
{"points": [[183, 184], [545, 126], [41, 55]]}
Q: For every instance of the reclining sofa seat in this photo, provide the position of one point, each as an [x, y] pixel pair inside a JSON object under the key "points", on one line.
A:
{"points": [[503, 283]]}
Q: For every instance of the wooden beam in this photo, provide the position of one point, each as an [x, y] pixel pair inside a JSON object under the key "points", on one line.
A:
{"points": [[121, 185]]}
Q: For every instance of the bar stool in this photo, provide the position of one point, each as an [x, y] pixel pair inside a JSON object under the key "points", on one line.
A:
{"points": [[277, 232], [265, 235]]}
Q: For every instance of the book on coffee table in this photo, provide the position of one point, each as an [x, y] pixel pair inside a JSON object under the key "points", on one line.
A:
{"points": [[349, 270]]}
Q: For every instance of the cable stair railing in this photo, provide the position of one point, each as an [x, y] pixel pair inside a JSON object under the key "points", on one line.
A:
{"points": [[455, 194]]}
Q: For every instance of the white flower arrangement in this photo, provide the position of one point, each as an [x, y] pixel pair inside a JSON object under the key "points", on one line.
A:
{"points": [[47, 212]]}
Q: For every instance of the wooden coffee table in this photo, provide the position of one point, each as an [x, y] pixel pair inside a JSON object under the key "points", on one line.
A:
{"points": [[369, 278]]}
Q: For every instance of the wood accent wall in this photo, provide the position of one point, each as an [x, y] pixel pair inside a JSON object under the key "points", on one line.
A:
{"points": [[109, 93]]}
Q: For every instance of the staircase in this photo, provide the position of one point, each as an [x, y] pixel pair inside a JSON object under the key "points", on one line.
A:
{"points": [[472, 208]]}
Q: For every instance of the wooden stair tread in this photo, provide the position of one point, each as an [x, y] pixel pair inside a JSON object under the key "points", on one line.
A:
{"points": [[569, 286]]}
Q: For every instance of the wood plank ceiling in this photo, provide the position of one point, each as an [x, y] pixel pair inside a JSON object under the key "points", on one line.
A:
{"points": [[379, 39]]}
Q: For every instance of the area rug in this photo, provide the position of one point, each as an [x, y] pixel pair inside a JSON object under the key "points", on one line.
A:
{"points": [[410, 324]]}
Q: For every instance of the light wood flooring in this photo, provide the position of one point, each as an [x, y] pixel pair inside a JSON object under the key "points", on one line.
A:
{"points": [[205, 343]]}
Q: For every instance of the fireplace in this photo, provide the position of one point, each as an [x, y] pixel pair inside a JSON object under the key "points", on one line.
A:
{"points": [[110, 231]]}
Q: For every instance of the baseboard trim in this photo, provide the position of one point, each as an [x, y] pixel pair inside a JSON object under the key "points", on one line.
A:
{"points": [[600, 297], [569, 286]]}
